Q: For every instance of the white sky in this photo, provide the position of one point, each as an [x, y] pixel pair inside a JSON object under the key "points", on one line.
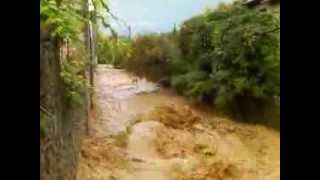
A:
{"points": [[156, 15]]}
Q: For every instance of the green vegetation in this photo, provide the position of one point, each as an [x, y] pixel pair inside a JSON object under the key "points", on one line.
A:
{"points": [[151, 54], [228, 56], [233, 52], [74, 81], [64, 24], [113, 50], [63, 18], [234, 57], [43, 125], [65, 21]]}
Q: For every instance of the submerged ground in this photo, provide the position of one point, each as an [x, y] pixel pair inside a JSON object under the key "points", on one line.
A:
{"points": [[143, 132]]}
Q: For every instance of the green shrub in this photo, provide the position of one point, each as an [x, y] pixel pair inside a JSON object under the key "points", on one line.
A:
{"points": [[111, 50], [238, 49], [183, 83], [75, 84], [180, 83], [151, 55], [104, 53], [177, 67]]}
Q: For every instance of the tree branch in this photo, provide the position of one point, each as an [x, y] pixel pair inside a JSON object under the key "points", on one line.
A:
{"points": [[269, 31], [273, 30], [112, 15]]}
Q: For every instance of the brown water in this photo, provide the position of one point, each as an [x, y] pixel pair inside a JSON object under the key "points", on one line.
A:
{"points": [[149, 150]]}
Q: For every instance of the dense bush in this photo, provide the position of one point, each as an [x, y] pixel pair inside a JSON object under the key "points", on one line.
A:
{"points": [[238, 49], [104, 53], [113, 50], [151, 55]]}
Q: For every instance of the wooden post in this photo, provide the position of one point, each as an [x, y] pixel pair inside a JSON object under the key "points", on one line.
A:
{"points": [[129, 32], [68, 50], [91, 62], [91, 50], [88, 68]]}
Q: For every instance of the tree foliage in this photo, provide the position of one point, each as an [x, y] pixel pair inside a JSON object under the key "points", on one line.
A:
{"points": [[238, 49], [111, 50], [228, 55], [151, 55], [66, 20], [63, 18], [74, 80]]}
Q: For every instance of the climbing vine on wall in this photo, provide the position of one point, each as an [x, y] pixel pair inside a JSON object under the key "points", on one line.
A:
{"points": [[65, 20]]}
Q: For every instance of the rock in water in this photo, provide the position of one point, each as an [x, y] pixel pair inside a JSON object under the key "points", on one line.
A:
{"points": [[165, 82]]}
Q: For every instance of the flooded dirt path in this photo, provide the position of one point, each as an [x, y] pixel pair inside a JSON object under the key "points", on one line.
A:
{"points": [[143, 132]]}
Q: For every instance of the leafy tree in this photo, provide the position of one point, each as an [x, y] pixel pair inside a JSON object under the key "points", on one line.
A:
{"points": [[238, 50], [227, 56], [151, 55]]}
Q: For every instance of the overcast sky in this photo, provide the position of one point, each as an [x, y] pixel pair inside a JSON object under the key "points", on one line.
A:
{"points": [[156, 15]]}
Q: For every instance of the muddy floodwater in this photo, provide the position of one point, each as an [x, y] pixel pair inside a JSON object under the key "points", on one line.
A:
{"points": [[143, 132]]}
